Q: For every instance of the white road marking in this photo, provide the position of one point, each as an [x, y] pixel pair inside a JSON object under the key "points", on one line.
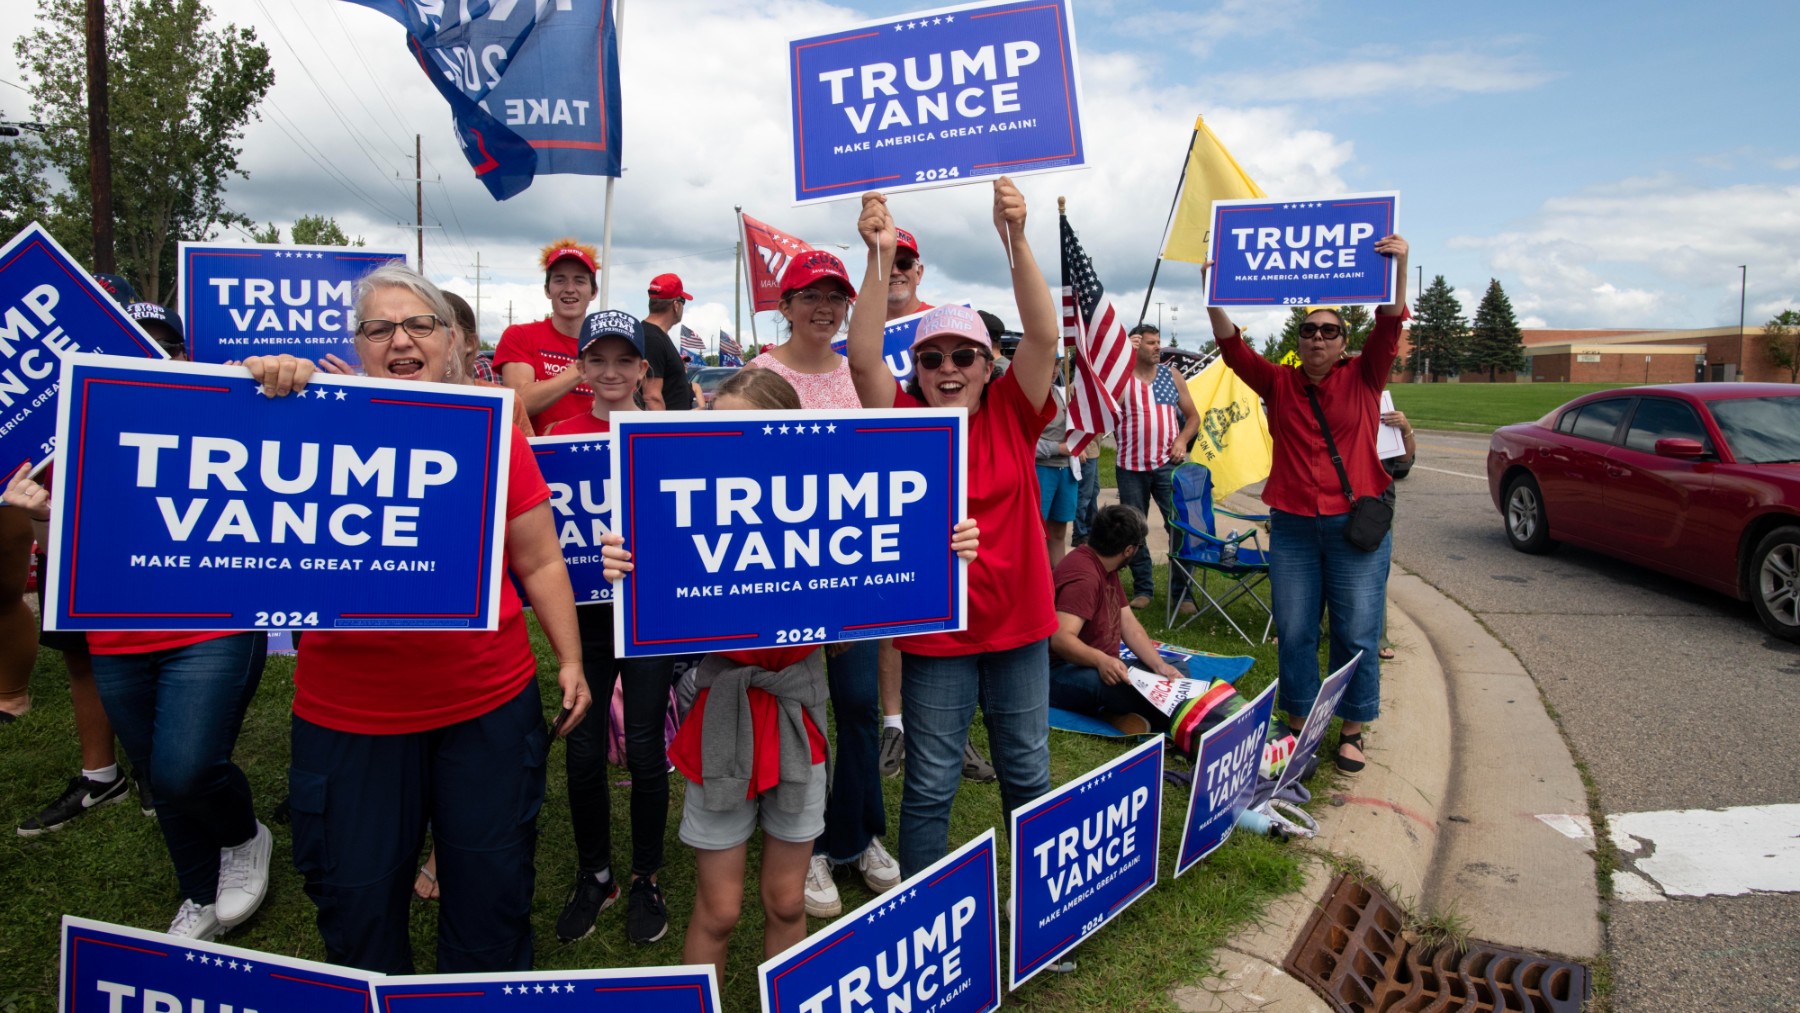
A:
{"points": [[1575, 828], [1708, 852], [1446, 471]]}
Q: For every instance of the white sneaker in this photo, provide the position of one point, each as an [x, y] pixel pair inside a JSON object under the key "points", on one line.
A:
{"points": [[878, 868], [243, 878], [821, 893], [195, 921]]}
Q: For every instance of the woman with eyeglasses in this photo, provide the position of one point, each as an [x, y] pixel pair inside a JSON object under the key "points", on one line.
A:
{"points": [[1002, 658], [1312, 567], [815, 299], [395, 730]]}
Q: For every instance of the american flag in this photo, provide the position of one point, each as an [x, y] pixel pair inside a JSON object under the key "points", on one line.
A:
{"points": [[690, 341], [1102, 352], [730, 352]]}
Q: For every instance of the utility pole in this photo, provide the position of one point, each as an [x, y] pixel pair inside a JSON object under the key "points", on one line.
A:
{"points": [[1159, 307], [419, 225], [477, 289], [100, 140], [509, 312]]}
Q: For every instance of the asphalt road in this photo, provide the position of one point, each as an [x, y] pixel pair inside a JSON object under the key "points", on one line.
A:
{"points": [[1673, 696]]}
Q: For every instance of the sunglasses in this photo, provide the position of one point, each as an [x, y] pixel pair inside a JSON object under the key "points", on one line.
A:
{"points": [[904, 261], [378, 331], [809, 297], [1326, 331], [962, 358]]}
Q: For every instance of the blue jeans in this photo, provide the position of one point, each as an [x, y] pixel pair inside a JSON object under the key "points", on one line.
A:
{"points": [[1087, 493], [1080, 689], [177, 712], [1312, 569], [854, 812], [1138, 489], [360, 805], [937, 700]]}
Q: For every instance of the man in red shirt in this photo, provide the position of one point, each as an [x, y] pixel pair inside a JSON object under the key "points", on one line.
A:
{"points": [[1092, 615], [537, 359]]}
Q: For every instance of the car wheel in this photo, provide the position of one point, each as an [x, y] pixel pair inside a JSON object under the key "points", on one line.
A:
{"points": [[1775, 582], [1526, 527]]}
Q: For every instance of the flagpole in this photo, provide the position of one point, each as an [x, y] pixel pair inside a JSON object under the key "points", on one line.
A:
{"points": [[737, 276], [743, 262], [1180, 181], [1062, 212], [606, 232]]}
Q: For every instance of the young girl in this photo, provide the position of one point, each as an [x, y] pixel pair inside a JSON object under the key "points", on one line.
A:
{"points": [[779, 776]]}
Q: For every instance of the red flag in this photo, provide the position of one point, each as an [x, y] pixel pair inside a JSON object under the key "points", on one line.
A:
{"points": [[1102, 351], [767, 251]]}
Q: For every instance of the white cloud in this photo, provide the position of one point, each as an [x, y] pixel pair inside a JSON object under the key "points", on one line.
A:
{"points": [[1424, 76]]}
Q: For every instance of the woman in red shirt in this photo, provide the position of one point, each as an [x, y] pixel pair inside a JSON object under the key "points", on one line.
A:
{"points": [[392, 730], [1002, 658], [1312, 567]]}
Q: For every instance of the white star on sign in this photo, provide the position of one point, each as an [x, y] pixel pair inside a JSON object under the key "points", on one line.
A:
{"points": [[831, 428], [246, 967], [899, 27], [190, 956], [768, 429], [506, 990], [234, 965], [949, 17], [784, 429], [540, 990], [815, 427], [340, 395]]}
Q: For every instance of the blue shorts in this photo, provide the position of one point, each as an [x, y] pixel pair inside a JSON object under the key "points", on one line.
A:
{"points": [[720, 831], [1056, 493]]}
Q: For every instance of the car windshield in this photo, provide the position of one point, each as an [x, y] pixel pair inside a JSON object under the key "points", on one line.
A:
{"points": [[712, 376], [1760, 430]]}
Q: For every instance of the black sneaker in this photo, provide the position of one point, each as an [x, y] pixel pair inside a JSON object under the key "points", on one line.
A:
{"points": [[82, 795], [893, 751], [646, 916], [582, 909], [146, 804]]}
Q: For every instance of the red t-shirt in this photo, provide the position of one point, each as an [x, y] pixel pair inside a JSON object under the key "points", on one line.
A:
{"points": [[579, 425], [765, 723], [1085, 588], [548, 352], [1302, 479], [392, 682], [1010, 602], [146, 641]]}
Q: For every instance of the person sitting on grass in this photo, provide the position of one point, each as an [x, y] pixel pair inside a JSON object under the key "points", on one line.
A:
{"points": [[735, 784], [1093, 616]]}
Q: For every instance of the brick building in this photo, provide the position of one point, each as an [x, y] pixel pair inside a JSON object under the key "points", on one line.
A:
{"points": [[1634, 356]]}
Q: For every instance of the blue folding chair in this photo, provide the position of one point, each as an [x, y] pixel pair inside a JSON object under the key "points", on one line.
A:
{"points": [[1202, 554]]}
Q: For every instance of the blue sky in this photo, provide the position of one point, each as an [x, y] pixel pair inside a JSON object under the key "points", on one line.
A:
{"points": [[1611, 164]]}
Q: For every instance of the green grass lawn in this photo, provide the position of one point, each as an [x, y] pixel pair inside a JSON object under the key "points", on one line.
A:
{"points": [[111, 864], [1484, 407]]}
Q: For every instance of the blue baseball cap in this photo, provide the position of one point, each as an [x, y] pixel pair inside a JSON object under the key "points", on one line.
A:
{"points": [[117, 287], [612, 324], [156, 313]]}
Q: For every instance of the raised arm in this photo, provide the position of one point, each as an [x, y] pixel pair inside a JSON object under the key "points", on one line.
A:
{"points": [[868, 368], [1239, 357], [1035, 360], [1395, 247]]}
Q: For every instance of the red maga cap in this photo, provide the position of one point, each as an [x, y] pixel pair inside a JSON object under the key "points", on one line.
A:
{"points": [[668, 286], [811, 266]]}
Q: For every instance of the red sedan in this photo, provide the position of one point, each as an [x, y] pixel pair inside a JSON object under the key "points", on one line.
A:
{"points": [[1700, 481]]}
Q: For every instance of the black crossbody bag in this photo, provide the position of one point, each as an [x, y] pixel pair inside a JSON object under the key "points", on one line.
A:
{"points": [[1370, 518]]}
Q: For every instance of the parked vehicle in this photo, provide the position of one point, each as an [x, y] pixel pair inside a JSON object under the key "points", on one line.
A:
{"points": [[1700, 481], [709, 378]]}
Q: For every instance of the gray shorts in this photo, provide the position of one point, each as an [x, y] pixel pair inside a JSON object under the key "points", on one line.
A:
{"points": [[715, 830]]}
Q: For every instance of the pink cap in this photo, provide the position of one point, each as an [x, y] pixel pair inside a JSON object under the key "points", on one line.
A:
{"points": [[960, 321]]}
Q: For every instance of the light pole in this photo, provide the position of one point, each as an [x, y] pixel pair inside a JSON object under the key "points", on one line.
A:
{"points": [[1173, 310], [1743, 286], [1159, 306]]}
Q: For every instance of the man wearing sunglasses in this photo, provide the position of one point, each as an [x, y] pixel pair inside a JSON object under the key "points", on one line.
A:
{"points": [[1157, 421], [903, 278]]}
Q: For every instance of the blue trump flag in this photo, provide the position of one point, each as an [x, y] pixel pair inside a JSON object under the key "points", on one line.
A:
{"points": [[896, 344], [753, 529], [1309, 252], [266, 299], [578, 470], [687, 989], [1224, 779], [931, 943], [109, 968], [49, 307], [186, 500], [935, 98], [1081, 854], [533, 86]]}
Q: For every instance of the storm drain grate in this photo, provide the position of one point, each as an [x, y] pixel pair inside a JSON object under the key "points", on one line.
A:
{"points": [[1354, 953]]}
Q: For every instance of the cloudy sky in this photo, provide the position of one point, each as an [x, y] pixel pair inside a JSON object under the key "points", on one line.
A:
{"points": [[1611, 164]]}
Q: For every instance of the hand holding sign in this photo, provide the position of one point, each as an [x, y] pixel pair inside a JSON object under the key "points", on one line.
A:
{"points": [[27, 495]]}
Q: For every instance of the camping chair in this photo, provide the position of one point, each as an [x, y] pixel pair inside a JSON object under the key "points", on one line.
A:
{"points": [[1198, 551]]}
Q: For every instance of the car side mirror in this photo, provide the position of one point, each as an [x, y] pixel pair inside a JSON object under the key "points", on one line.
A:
{"points": [[1680, 449]]}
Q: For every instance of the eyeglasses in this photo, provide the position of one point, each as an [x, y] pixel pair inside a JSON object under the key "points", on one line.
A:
{"points": [[378, 331], [809, 297], [1326, 331], [962, 358], [904, 261]]}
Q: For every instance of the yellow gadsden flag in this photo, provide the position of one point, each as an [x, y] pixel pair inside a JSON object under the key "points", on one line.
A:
{"points": [[1234, 436], [1211, 174]]}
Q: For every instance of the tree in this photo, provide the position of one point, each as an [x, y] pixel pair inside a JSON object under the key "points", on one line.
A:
{"points": [[270, 233], [310, 230], [181, 94], [1783, 335], [1439, 332], [1494, 339], [24, 189], [1359, 322], [1288, 340]]}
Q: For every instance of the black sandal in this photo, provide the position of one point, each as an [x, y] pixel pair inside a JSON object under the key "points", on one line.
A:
{"points": [[1344, 763]]}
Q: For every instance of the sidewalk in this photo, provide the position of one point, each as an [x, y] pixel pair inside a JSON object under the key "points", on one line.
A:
{"points": [[1461, 762]]}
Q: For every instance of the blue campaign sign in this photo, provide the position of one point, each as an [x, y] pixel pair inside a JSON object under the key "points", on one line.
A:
{"points": [[1318, 720], [114, 969], [754, 529], [263, 299], [1082, 854], [896, 344], [1310, 252], [935, 98], [186, 500], [578, 470], [48, 308], [931, 943], [1224, 779], [686, 989]]}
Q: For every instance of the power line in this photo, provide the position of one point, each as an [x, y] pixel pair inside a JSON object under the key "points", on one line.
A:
{"points": [[325, 164]]}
